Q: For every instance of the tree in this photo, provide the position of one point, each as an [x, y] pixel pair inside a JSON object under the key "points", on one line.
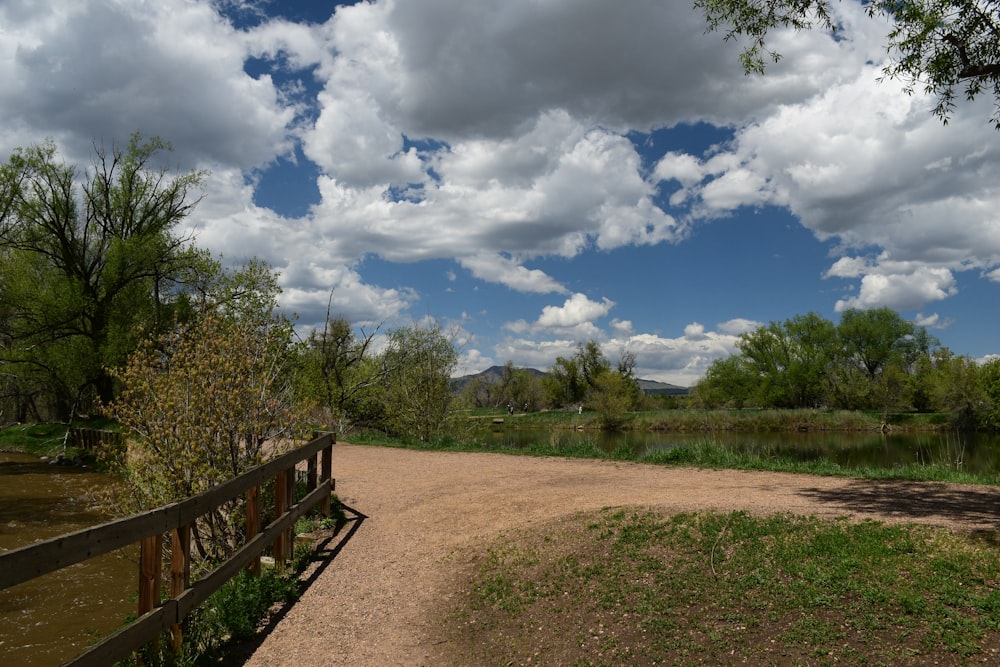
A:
{"points": [[871, 359], [958, 388], [569, 380], [204, 403], [612, 395], [336, 372], [941, 45], [524, 390], [416, 397], [728, 382], [87, 269], [990, 381], [563, 384], [790, 361]]}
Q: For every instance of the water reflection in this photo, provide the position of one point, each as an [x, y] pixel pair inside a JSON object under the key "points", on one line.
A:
{"points": [[53, 618], [975, 453]]}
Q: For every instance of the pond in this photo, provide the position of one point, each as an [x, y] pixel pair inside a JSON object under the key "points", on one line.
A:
{"points": [[50, 619], [975, 453]]}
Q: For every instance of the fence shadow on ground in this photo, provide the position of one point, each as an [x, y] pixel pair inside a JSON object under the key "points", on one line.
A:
{"points": [[326, 550], [977, 509]]}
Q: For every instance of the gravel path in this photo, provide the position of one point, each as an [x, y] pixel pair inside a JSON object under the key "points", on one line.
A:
{"points": [[421, 513]]}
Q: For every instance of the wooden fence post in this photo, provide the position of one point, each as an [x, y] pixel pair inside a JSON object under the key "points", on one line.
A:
{"points": [[289, 501], [326, 472], [180, 575], [311, 473], [150, 572], [253, 524], [280, 507]]}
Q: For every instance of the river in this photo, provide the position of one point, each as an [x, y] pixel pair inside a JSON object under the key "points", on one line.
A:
{"points": [[52, 618]]}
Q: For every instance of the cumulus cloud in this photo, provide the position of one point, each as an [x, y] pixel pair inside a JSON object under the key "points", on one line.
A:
{"points": [[111, 68], [932, 321], [901, 291], [870, 167], [500, 136], [578, 309]]}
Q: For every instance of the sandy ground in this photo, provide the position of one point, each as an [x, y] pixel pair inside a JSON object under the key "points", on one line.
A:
{"points": [[419, 514]]}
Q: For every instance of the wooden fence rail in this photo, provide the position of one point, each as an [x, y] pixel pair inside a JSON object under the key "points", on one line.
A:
{"points": [[148, 529]]}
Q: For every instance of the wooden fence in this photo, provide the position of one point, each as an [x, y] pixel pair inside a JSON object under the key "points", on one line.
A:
{"points": [[177, 519], [92, 439]]}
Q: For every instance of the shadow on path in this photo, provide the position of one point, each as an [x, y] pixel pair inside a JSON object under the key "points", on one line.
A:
{"points": [[327, 549], [974, 508]]}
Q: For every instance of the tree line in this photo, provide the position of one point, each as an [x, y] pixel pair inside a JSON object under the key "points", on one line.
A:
{"points": [[870, 360], [586, 378]]}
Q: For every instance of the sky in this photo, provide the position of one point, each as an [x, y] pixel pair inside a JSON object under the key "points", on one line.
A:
{"points": [[534, 174]]}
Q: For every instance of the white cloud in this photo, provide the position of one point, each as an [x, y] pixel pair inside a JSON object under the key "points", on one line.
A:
{"points": [[932, 321], [694, 332], [622, 327], [738, 326], [577, 309], [901, 291], [101, 69], [506, 271]]}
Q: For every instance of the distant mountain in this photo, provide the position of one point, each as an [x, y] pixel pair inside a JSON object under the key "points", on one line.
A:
{"points": [[493, 374], [654, 387]]}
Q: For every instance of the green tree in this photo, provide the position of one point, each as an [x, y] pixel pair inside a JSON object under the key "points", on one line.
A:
{"points": [[612, 395], [563, 384], [944, 46], [336, 372], [525, 390], [86, 269], [958, 388], [790, 361], [989, 374], [416, 397], [202, 404], [569, 380], [729, 382]]}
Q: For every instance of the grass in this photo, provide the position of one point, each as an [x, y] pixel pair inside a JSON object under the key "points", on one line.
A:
{"points": [[40, 439], [48, 439], [630, 586], [700, 421], [701, 452]]}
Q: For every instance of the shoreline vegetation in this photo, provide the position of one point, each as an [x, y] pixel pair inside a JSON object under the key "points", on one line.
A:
{"points": [[696, 420], [703, 451], [48, 439]]}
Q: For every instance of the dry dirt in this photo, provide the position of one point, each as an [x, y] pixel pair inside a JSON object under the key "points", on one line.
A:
{"points": [[419, 515]]}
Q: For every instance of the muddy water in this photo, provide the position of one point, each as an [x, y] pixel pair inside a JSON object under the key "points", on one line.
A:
{"points": [[48, 620]]}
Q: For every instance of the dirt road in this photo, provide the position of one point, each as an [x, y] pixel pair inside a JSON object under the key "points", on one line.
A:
{"points": [[420, 514]]}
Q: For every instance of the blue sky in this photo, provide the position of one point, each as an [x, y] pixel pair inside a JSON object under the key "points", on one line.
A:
{"points": [[533, 175]]}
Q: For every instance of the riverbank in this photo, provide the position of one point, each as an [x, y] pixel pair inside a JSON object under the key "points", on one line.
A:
{"points": [[707, 421], [50, 441]]}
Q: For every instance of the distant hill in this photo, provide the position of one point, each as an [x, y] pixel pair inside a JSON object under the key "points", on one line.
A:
{"points": [[654, 387], [493, 374]]}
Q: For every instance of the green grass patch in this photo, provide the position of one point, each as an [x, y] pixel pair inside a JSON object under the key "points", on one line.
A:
{"points": [[629, 586], [706, 454], [39, 439]]}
